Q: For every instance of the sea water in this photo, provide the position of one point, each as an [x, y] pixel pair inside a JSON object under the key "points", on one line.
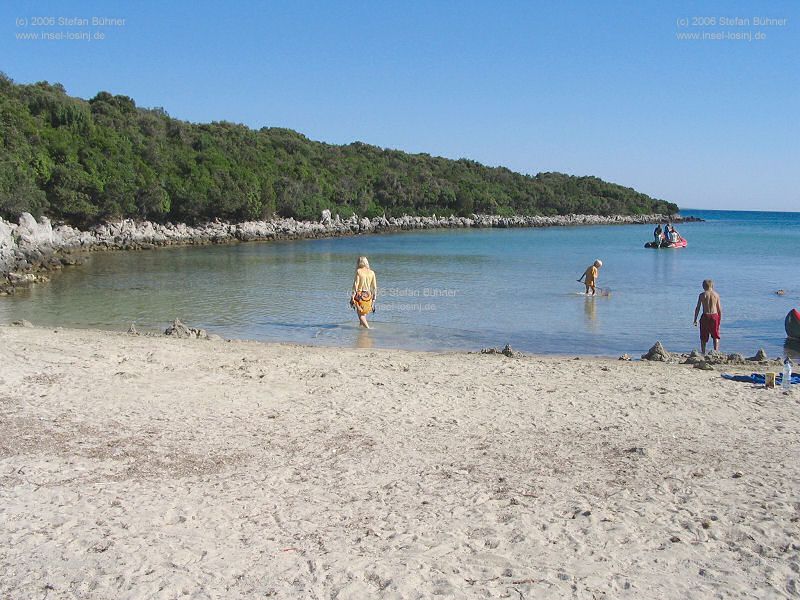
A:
{"points": [[451, 289]]}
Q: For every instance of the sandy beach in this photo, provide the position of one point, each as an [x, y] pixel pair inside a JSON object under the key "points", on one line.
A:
{"points": [[151, 467]]}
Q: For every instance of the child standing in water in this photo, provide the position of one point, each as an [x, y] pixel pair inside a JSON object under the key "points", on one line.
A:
{"points": [[712, 315], [591, 276]]}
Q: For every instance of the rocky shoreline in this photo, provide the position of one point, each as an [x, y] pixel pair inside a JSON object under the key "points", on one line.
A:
{"points": [[30, 249], [707, 362]]}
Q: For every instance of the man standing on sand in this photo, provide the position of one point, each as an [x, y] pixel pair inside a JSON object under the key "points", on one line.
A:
{"points": [[712, 315]]}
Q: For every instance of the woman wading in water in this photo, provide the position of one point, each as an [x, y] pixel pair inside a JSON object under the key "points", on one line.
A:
{"points": [[365, 290]]}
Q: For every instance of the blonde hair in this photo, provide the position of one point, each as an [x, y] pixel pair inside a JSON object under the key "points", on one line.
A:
{"points": [[708, 284], [362, 263]]}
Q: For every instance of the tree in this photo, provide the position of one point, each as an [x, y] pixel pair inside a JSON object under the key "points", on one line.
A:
{"points": [[87, 161]]}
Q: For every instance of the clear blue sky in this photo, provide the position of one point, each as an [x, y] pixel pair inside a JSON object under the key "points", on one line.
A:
{"points": [[587, 88]]}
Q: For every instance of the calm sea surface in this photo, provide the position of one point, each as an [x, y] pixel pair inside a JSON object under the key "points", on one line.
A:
{"points": [[451, 289]]}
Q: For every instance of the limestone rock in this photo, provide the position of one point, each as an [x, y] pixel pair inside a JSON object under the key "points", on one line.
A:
{"points": [[21, 278], [31, 233], [31, 245], [657, 353], [694, 358], [759, 356], [6, 246], [22, 323], [506, 351], [179, 330], [735, 359], [716, 358]]}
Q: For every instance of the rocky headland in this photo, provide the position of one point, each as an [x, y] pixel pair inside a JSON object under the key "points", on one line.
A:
{"points": [[30, 249]]}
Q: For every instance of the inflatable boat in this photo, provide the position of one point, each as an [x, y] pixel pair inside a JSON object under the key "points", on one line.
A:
{"points": [[681, 243], [792, 324]]}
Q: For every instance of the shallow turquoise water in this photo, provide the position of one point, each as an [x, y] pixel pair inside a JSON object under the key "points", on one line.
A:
{"points": [[451, 289]]}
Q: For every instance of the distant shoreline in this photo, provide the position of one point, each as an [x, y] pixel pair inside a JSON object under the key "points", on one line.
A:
{"points": [[30, 250]]}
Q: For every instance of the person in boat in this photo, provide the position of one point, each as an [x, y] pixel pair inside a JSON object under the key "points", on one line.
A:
{"points": [[712, 315], [674, 236], [665, 238], [591, 276], [365, 291], [658, 234]]}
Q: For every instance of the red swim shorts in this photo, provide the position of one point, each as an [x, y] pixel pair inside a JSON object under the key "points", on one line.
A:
{"points": [[709, 326]]}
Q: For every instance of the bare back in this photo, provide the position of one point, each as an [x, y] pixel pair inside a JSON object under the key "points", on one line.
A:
{"points": [[709, 300]]}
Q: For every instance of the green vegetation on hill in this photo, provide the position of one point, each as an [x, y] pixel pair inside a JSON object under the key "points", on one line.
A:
{"points": [[88, 161]]}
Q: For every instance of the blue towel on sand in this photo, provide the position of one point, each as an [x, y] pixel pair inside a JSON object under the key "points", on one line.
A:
{"points": [[759, 378]]}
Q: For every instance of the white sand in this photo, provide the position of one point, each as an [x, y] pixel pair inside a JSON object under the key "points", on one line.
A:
{"points": [[138, 467]]}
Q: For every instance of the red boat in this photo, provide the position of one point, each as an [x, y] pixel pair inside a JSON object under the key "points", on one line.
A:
{"points": [[792, 324], [681, 243]]}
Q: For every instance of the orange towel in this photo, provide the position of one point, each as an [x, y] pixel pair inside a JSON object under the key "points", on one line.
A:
{"points": [[363, 302]]}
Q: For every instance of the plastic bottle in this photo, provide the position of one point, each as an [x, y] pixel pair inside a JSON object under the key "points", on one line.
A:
{"points": [[786, 376]]}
